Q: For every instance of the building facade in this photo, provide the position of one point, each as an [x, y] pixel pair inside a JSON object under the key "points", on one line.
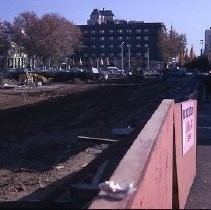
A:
{"points": [[113, 42], [207, 47], [16, 57]]}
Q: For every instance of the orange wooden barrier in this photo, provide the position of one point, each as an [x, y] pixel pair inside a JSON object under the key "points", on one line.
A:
{"points": [[185, 161], [160, 165]]}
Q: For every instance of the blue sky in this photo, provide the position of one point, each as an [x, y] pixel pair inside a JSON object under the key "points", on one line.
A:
{"points": [[191, 17]]}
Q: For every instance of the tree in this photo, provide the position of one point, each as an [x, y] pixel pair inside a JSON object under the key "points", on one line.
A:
{"points": [[58, 37], [26, 32], [49, 38], [6, 36], [171, 44], [201, 63]]}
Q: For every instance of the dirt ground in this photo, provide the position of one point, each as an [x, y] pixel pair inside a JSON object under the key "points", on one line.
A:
{"points": [[39, 143]]}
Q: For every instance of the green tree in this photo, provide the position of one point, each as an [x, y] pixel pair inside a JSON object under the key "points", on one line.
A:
{"points": [[201, 63], [171, 44]]}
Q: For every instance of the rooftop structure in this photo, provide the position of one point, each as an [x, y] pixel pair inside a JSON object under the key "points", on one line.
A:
{"points": [[100, 16]]}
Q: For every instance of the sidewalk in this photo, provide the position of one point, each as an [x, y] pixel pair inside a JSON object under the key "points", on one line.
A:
{"points": [[200, 193]]}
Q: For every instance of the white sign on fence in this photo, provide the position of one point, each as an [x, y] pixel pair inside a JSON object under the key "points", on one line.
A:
{"points": [[188, 126]]}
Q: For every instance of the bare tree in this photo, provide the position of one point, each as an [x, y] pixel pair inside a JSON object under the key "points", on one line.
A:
{"points": [[171, 44]]}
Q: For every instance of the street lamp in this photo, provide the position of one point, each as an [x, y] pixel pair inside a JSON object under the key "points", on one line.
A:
{"points": [[122, 55], [97, 63], [201, 42], [66, 61], [49, 63], [129, 46], [148, 59]]}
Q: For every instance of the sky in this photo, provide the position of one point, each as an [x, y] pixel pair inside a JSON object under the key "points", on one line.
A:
{"points": [[190, 17]]}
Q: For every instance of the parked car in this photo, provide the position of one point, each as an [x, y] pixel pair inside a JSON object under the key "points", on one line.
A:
{"points": [[178, 72], [112, 73]]}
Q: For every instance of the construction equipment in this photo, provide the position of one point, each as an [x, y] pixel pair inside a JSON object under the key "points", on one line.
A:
{"points": [[32, 79]]}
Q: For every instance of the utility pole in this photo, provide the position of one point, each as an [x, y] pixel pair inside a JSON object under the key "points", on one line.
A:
{"points": [[122, 56], [97, 64], [201, 42], [66, 59], [49, 63], [129, 46], [148, 59]]}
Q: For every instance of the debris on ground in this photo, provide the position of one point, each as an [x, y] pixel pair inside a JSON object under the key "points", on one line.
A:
{"points": [[115, 191]]}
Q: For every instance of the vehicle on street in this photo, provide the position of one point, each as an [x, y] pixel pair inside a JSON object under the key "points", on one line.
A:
{"points": [[112, 73], [178, 72]]}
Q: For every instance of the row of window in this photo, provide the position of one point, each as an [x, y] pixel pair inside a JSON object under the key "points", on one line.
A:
{"points": [[112, 46], [112, 55], [119, 31], [111, 38]]}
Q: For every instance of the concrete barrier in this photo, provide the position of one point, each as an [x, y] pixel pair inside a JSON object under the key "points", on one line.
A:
{"points": [[148, 163]]}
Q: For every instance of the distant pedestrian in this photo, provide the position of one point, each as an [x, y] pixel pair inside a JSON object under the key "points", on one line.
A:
{"points": [[208, 87], [200, 88]]}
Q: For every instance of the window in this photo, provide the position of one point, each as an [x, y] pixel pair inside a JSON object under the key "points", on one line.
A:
{"points": [[111, 54], [93, 46], [102, 54], [138, 38], [111, 46], [92, 32], [111, 31], [138, 54], [102, 38], [120, 31], [146, 55], [85, 32], [92, 38], [128, 38], [129, 31], [93, 54], [146, 45], [111, 38], [101, 31], [85, 55], [138, 31], [119, 37], [138, 45], [146, 31], [146, 38], [102, 46]]}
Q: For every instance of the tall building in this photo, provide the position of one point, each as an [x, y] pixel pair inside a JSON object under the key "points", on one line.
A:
{"points": [[107, 40], [207, 41]]}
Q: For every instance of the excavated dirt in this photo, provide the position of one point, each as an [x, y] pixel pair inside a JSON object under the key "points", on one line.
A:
{"points": [[39, 129]]}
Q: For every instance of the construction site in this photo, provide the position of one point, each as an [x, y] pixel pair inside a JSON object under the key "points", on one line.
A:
{"points": [[57, 135]]}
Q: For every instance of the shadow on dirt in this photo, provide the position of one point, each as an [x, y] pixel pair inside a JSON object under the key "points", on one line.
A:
{"points": [[41, 135]]}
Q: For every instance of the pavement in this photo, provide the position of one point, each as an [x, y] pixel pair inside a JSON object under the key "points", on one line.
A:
{"points": [[200, 193]]}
